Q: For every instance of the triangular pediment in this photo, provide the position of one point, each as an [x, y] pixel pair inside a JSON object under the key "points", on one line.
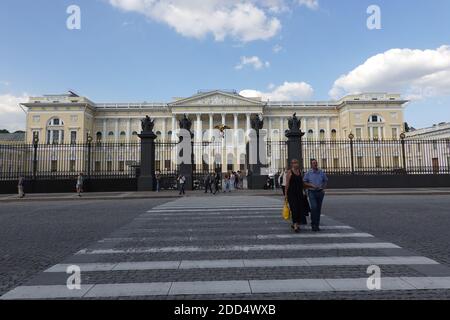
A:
{"points": [[217, 98]]}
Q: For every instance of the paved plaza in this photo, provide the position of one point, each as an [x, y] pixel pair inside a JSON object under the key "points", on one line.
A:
{"points": [[229, 247]]}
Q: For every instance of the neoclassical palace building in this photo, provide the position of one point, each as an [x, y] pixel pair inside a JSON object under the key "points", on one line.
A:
{"points": [[70, 118]]}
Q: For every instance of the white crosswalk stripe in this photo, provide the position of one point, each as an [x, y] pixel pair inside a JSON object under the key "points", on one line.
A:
{"points": [[209, 232]]}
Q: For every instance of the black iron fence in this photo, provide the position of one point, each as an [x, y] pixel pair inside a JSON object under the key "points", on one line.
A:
{"points": [[122, 160]]}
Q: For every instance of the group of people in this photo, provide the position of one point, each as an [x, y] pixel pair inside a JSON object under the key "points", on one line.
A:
{"points": [[79, 187], [304, 194]]}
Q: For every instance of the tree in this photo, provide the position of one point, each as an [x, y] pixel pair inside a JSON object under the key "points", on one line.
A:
{"points": [[4, 131]]}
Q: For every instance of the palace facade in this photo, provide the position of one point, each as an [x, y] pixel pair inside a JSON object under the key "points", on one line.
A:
{"points": [[70, 118]]}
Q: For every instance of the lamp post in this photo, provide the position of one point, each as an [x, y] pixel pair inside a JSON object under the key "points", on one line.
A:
{"points": [[89, 145], [351, 136]]}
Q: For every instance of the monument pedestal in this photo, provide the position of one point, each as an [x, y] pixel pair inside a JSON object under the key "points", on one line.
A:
{"points": [[147, 180]]}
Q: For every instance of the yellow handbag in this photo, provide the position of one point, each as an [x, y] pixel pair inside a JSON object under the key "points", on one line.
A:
{"points": [[286, 211]]}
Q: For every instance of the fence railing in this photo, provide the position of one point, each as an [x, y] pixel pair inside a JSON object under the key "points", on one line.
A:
{"points": [[122, 160]]}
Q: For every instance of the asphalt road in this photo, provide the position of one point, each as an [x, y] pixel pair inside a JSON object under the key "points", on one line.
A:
{"points": [[37, 235], [420, 223]]}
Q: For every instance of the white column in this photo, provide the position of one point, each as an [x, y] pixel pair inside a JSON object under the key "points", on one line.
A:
{"points": [[248, 121], [329, 128], [199, 128], [235, 129], [164, 129], [174, 121], [282, 128], [116, 131], [129, 130], [270, 128], [317, 129], [211, 125], [105, 133], [224, 119]]}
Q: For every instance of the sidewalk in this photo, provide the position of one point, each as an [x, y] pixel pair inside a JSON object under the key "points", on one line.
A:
{"points": [[174, 194]]}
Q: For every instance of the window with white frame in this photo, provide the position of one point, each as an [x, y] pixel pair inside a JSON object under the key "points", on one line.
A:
{"points": [[55, 131]]}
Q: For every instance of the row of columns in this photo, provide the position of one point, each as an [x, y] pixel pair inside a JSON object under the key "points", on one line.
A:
{"points": [[270, 124]]}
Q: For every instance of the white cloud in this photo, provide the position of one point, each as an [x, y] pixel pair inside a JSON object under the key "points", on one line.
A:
{"points": [[12, 117], [254, 61], [285, 92], [242, 20], [277, 48], [414, 73], [311, 4]]}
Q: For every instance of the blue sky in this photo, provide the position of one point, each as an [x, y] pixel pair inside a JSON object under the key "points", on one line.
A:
{"points": [[141, 50]]}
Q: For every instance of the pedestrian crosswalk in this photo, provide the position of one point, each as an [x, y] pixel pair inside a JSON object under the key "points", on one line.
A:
{"points": [[203, 246]]}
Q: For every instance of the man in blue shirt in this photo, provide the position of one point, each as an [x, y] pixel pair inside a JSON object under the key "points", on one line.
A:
{"points": [[319, 180]]}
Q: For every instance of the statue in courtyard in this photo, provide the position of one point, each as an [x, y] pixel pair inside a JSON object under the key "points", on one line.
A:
{"points": [[294, 123], [186, 123], [257, 123], [147, 124]]}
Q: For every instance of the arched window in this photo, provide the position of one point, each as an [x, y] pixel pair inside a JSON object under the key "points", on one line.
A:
{"points": [[322, 134], [110, 136], [99, 136], [375, 128], [375, 119], [333, 134], [310, 134], [55, 131], [123, 136]]}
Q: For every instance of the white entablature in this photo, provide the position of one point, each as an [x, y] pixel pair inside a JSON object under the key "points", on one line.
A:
{"points": [[218, 99]]}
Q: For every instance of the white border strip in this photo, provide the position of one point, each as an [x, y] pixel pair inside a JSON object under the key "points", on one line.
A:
{"points": [[245, 263], [278, 247], [225, 287]]}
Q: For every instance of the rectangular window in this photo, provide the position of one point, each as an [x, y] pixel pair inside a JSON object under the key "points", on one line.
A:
{"points": [[375, 133], [109, 166], [394, 133], [360, 162], [72, 166], [98, 166], [167, 164], [396, 162], [378, 162], [54, 166], [55, 139], [324, 163], [336, 163], [73, 137], [435, 165], [121, 166], [358, 132]]}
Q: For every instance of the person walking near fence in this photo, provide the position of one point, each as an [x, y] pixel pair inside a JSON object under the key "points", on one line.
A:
{"points": [[216, 183], [181, 182], [208, 182], [295, 196], [21, 187], [319, 180], [282, 181], [158, 181], [80, 184], [227, 183]]}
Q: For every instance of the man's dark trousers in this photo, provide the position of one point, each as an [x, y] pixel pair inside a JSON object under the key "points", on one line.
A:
{"points": [[315, 201]]}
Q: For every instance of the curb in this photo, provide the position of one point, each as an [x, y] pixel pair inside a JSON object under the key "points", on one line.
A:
{"points": [[331, 193]]}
